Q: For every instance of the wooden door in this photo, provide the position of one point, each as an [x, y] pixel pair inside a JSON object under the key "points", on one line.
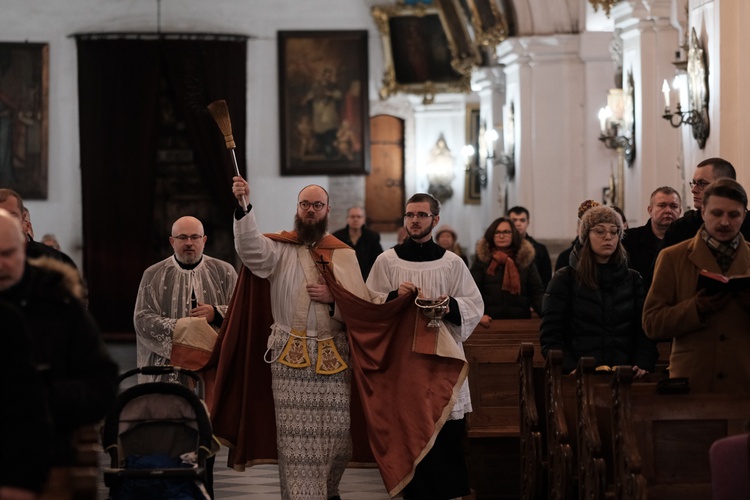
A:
{"points": [[384, 187]]}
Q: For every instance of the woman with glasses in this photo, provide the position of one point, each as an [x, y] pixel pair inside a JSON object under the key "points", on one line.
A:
{"points": [[594, 309], [506, 275]]}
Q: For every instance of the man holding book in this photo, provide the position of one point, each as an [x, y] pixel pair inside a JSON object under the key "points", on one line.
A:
{"points": [[711, 344]]}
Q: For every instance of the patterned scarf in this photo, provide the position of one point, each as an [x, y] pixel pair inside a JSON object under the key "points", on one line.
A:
{"points": [[724, 252], [511, 278]]}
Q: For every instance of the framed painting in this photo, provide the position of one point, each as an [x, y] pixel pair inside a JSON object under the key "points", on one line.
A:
{"points": [[472, 178], [488, 21], [324, 107], [24, 118], [427, 49]]}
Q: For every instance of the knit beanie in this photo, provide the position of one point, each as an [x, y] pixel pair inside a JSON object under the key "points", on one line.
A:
{"points": [[585, 205], [598, 215]]}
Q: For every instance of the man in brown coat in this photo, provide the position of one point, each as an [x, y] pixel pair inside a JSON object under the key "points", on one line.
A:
{"points": [[711, 340]]}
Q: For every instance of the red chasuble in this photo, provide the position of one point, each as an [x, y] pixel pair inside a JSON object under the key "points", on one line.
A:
{"points": [[406, 382]]}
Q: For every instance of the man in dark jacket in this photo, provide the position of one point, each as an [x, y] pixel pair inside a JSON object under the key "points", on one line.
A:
{"points": [[520, 218], [25, 426], [687, 226], [642, 243], [66, 345], [366, 243]]}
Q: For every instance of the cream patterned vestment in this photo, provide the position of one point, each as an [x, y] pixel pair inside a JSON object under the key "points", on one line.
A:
{"points": [[164, 296]]}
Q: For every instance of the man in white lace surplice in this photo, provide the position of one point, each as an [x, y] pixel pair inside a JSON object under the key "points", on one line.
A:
{"points": [[421, 264], [186, 284]]}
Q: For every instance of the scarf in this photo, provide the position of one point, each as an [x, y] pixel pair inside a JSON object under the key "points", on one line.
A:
{"points": [[511, 277], [724, 252]]}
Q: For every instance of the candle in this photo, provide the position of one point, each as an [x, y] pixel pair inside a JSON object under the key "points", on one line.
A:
{"points": [[604, 114], [676, 86], [665, 89]]}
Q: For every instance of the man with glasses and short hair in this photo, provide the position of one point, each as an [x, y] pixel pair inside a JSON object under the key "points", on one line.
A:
{"points": [[420, 264], [688, 225], [188, 292]]}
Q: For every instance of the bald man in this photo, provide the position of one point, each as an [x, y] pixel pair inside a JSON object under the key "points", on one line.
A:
{"points": [[187, 284], [80, 376]]}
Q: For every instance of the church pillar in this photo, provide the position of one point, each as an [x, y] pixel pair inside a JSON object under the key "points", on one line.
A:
{"points": [[489, 83], [556, 85], [649, 45]]}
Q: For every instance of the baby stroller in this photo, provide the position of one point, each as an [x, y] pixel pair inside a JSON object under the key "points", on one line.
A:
{"points": [[158, 437]]}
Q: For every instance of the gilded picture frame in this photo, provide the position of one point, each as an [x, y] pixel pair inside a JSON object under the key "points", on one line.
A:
{"points": [[24, 118], [427, 49], [323, 101], [488, 21], [472, 177]]}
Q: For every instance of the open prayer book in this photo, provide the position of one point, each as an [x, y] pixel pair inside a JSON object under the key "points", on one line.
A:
{"points": [[716, 283]]}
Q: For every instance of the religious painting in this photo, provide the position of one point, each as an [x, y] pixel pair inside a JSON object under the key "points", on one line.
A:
{"points": [[427, 49], [324, 106], [24, 100]]}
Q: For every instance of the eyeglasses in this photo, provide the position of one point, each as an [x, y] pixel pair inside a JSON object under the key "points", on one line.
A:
{"points": [[419, 215], [504, 232], [317, 206], [701, 185], [602, 233], [184, 237]]}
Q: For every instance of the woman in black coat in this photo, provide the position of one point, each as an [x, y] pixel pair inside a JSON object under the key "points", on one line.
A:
{"points": [[594, 309], [506, 275]]}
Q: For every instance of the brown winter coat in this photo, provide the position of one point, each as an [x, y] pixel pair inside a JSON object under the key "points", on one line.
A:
{"points": [[713, 352]]}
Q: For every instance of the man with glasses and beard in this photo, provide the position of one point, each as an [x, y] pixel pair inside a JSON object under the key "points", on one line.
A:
{"points": [[188, 293], [420, 264], [307, 350]]}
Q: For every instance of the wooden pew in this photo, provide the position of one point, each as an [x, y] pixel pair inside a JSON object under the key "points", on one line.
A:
{"points": [[493, 428], [661, 441], [578, 429], [492, 354], [532, 423]]}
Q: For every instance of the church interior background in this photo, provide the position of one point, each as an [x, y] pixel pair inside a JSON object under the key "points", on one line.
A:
{"points": [[561, 101]]}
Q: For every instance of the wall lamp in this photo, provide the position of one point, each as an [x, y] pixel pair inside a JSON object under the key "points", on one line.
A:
{"points": [[508, 157], [615, 131], [697, 89], [439, 167]]}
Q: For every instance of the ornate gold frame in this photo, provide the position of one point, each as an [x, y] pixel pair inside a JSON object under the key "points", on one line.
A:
{"points": [[698, 88], [472, 183], [488, 21], [463, 52]]}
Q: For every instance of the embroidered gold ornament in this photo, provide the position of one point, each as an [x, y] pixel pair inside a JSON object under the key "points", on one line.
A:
{"points": [[329, 359], [295, 353]]}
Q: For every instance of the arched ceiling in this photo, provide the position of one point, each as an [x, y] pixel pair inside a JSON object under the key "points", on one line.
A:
{"points": [[546, 17]]}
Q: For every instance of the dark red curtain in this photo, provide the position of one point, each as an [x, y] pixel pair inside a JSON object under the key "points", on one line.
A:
{"points": [[118, 87]]}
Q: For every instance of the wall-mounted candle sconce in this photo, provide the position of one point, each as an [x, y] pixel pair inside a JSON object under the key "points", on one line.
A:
{"points": [[508, 156], [440, 170], [617, 121], [697, 87]]}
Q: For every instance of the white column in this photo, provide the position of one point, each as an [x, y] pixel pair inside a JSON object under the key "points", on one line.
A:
{"points": [[489, 83], [649, 45], [552, 82]]}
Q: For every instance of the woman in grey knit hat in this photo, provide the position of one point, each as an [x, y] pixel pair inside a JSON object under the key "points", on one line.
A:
{"points": [[594, 309]]}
